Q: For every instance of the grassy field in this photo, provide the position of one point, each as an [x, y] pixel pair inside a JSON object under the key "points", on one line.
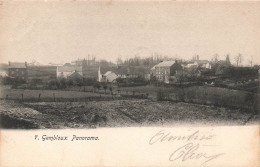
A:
{"points": [[220, 97], [191, 105], [16, 94], [206, 95]]}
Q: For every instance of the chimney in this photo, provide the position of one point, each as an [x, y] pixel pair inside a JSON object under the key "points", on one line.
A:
{"points": [[9, 63], [25, 64], [197, 57]]}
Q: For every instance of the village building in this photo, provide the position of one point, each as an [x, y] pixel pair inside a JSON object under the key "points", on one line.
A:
{"points": [[109, 76], [41, 73], [196, 62], [162, 71], [132, 72], [66, 71], [90, 68], [75, 76], [3, 70], [17, 70], [3, 74], [203, 63]]}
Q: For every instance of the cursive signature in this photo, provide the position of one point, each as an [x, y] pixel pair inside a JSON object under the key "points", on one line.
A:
{"points": [[190, 151], [164, 136]]}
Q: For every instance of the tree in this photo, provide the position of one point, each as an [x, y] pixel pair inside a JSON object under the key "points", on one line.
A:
{"points": [[52, 84], [7, 80], [98, 87], [181, 77], [63, 83], [105, 88], [69, 83], [111, 89], [79, 82], [251, 100], [215, 58], [238, 59], [251, 62], [175, 68], [119, 61]]}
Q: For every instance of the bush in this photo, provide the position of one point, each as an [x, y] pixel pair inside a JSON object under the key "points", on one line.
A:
{"points": [[89, 81], [251, 101], [139, 81], [12, 81], [160, 95], [63, 83], [238, 73]]}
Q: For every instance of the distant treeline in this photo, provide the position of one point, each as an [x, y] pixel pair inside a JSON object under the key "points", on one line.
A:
{"points": [[147, 62]]}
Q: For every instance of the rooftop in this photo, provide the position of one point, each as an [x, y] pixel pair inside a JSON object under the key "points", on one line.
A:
{"points": [[69, 69], [107, 73], [202, 61], [16, 65], [164, 64]]}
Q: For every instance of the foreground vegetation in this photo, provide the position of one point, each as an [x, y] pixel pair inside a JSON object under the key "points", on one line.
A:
{"points": [[119, 113]]}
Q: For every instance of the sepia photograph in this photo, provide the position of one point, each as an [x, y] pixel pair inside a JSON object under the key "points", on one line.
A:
{"points": [[85, 65]]}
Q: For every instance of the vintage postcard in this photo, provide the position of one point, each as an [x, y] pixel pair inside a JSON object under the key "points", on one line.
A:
{"points": [[129, 83]]}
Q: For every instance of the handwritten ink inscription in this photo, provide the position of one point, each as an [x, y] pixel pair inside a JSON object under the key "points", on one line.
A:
{"points": [[190, 150]]}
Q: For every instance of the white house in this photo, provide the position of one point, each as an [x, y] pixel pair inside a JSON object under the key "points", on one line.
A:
{"points": [[197, 63], [203, 63], [109, 76], [3, 74]]}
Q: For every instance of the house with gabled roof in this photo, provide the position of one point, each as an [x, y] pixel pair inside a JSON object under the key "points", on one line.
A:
{"points": [[75, 76], [17, 70], [65, 71], [162, 71], [196, 62], [41, 73], [109, 76]]}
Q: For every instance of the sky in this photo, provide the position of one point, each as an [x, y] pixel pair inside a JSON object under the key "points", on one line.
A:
{"points": [[61, 32]]}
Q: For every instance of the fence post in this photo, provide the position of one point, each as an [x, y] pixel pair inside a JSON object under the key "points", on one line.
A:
{"points": [[39, 97], [22, 96], [54, 96]]}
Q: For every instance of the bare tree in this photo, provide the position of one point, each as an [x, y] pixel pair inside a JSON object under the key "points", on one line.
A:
{"points": [[251, 62], [215, 58], [119, 61], [238, 59]]}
